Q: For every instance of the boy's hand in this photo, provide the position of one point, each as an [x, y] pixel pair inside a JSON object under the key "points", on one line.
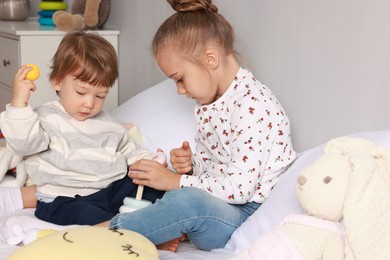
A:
{"points": [[21, 88], [181, 158]]}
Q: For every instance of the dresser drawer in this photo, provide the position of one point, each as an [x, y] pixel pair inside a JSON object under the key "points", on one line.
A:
{"points": [[9, 59]]}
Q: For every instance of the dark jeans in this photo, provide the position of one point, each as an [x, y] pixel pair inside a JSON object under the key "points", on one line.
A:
{"points": [[94, 208]]}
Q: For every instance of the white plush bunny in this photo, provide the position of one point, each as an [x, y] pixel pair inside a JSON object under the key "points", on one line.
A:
{"points": [[367, 206], [348, 183]]}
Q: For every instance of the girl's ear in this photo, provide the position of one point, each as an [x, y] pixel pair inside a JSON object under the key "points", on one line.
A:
{"points": [[211, 58]]}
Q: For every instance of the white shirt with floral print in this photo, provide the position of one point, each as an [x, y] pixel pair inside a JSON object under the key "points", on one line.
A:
{"points": [[243, 143]]}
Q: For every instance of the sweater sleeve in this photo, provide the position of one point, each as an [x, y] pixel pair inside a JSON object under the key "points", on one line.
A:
{"points": [[22, 129]]}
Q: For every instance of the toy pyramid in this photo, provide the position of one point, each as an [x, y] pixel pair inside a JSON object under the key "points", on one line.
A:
{"points": [[47, 9]]}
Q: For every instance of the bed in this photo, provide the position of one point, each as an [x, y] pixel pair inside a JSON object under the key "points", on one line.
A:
{"points": [[165, 123]]}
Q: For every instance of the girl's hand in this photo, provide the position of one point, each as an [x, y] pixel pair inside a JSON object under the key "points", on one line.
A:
{"points": [[152, 174], [21, 88], [181, 158]]}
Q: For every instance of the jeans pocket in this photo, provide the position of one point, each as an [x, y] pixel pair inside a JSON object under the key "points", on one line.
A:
{"points": [[249, 208]]}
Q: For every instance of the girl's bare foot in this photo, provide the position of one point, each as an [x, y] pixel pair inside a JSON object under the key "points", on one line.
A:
{"points": [[171, 245]]}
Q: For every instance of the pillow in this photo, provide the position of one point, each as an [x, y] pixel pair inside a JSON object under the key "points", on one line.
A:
{"points": [[165, 118], [88, 243], [282, 200]]}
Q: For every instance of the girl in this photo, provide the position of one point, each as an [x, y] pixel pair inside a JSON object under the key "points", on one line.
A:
{"points": [[243, 136]]}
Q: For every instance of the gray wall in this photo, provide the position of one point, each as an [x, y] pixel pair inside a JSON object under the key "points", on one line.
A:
{"points": [[137, 21], [328, 61]]}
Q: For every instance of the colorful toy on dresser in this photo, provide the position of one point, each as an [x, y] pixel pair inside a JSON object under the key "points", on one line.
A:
{"points": [[47, 9]]}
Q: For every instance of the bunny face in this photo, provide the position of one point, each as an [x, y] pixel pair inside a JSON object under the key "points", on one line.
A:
{"points": [[322, 187]]}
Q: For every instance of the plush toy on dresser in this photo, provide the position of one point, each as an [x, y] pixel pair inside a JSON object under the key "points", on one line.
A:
{"points": [[85, 14], [349, 183]]}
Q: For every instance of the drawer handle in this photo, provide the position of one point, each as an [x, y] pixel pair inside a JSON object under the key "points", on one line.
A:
{"points": [[6, 62]]}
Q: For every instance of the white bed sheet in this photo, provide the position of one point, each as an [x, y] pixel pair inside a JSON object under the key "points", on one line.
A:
{"points": [[166, 119]]}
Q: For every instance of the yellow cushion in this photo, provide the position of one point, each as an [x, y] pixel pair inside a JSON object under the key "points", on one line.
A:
{"points": [[88, 243]]}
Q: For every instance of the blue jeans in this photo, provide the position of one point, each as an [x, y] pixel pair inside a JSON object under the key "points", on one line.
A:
{"points": [[207, 221]]}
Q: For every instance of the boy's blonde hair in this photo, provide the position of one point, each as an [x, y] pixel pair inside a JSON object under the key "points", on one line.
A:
{"points": [[87, 56], [194, 26]]}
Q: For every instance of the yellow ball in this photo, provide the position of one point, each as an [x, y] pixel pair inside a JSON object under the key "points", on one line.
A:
{"points": [[34, 73]]}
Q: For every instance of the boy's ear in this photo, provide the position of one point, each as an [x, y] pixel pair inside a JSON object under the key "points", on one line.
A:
{"points": [[211, 58], [56, 84]]}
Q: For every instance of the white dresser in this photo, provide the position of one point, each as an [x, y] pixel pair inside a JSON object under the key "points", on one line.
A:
{"points": [[28, 42]]}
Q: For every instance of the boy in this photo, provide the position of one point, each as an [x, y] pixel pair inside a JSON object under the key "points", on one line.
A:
{"points": [[76, 154]]}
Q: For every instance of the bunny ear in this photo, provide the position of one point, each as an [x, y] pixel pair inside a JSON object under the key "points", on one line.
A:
{"points": [[19, 181], [7, 158], [382, 157], [335, 146], [363, 167], [348, 145], [366, 210], [378, 152]]}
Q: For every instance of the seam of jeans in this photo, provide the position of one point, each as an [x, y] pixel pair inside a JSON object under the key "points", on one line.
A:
{"points": [[192, 219]]}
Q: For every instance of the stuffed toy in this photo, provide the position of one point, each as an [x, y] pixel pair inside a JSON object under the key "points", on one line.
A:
{"points": [[85, 14], [8, 160], [134, 133], [88, 243], [349, 183], [367, 206]]}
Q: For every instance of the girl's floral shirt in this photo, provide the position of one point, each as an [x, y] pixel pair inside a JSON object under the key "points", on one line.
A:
{"points": [[243, 143]]}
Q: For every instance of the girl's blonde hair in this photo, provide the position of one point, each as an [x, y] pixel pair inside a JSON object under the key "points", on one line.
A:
{"points": [[87, 56], [194, 26]]}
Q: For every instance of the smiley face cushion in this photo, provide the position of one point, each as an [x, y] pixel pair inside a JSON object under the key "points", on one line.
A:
{"points": [[89, 243]]}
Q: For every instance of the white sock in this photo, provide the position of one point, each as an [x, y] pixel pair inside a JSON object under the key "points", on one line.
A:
{"points": [[10, 200], [15, 229]]}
